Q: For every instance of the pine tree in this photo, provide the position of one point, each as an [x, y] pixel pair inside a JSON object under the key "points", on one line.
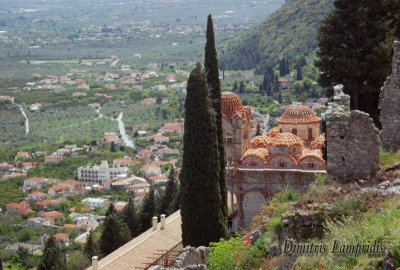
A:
{"points": [[110, 209], [355, 45], [276, 84], [52, 258], [91, 249], [235, 87], [148, 210], [169, 193], [202, 218], [241, 88], [113, 148], [115, 233], [214, 87], [299, 76], [131, 218]]}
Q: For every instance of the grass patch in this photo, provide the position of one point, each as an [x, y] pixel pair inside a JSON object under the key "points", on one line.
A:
{"points": [[389, 158], [364, 229]]}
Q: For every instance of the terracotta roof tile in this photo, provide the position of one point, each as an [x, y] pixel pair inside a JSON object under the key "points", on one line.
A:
{"points": [[231, 104], [286, 139], [298, 114], [135, 254], [319, 142], [261, 142], [260, 153], [272, 132]]}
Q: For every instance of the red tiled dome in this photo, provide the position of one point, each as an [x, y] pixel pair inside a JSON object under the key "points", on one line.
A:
{"points": [[261, 142], [231, 104], [272, 132], [298, 114], [319, 142], [286, 139], [260, 153]]}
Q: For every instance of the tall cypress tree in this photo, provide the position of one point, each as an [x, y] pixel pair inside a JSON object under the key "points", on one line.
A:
{"points": [[131, 218], [214, 87], [148, 210], [299, 76], [90, 249], [115, 233], [241, 87], [52, 258], [169, 194], [202, 218]]}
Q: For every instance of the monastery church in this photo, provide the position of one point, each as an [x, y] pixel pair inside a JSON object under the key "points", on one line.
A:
{"points": [[287, 157]]}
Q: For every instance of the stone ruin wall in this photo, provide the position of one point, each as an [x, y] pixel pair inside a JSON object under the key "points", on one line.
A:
{"points": [[352, 140], [389, 105], [253, 190]]}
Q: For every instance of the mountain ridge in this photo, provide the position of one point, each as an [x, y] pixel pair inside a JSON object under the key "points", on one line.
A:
{"points": [[289, 31]]}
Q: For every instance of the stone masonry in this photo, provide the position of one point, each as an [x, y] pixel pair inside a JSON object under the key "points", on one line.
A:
{"points": [[389, 104], [352, 140]]}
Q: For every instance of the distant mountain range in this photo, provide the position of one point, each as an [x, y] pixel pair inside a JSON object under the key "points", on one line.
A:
{"points": [[289, 31]]}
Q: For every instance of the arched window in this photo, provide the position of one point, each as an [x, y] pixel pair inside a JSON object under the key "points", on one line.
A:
{"points": [[310, 137], [294, 131]]}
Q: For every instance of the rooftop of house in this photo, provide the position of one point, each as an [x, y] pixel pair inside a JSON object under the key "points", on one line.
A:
{"points": [[52, 214], [37, 194], [136, 253]]}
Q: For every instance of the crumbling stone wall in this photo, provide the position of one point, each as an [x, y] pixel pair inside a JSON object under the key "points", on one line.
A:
{"points": [[302, 226], [389, 104], [352, 140]]}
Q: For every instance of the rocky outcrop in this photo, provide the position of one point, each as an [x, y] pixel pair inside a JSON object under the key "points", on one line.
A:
{"points": [[352, 140], [190, 259], [389, 105]]}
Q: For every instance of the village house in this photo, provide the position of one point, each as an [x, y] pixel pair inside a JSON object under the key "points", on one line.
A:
{"points": [[6, 167], [37, 222], [12, 175], [150, 169], [35, 107], [172, 127], [37, 182], [53, 159], [284, 83], [62, 238], [123, 162], [22, 155], [95, 203], [78, 94], [37, 196], [160, 139], [33, 249], [53, 216], [58, 190], [111, 137], [21, 208], [126, 183], [146, 153], [162, 152], [85, 220], [149, 101], [43, 205]]}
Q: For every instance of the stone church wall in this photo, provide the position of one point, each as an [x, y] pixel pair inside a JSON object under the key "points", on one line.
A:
{"points": [[352, 140], [389, 105]]}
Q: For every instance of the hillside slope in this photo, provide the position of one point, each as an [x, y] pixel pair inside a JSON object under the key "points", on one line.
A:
{"points": [[289, 31]]}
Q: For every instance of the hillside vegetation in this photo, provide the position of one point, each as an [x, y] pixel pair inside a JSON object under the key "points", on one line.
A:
{"points": [[288, 32]]}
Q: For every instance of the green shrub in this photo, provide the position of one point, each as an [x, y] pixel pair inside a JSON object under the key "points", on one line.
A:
{"points": [[276, 226], [226, 255]]}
